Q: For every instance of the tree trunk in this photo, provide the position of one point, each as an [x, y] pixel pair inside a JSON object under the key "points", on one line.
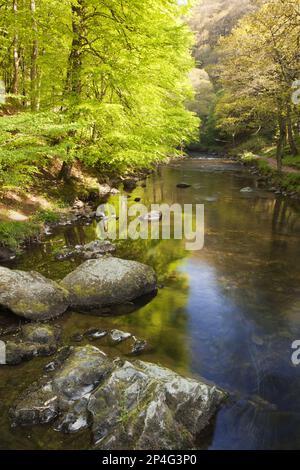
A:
{"points": [[73, 79], [65, 172], [16, 58], [280, 141], [34, 56], [290, 134]]}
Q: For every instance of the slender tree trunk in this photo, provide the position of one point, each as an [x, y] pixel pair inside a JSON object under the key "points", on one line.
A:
{"points": [[16, 58], [73, 79], [290, 134], [65, 172], [34, 57], [280, 141]]}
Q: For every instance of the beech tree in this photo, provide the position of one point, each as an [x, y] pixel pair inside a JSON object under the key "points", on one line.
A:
{"points": [[108, 79]]}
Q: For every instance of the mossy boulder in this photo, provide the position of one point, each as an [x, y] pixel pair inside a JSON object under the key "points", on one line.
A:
{"points": [[127, 405], [108, 281], [142, 406], [31, 295]]}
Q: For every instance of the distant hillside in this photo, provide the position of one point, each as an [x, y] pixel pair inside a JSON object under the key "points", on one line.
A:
{"points": [[211, 19]]}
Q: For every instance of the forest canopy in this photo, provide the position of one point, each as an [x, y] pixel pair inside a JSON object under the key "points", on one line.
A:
{"points": [[103, 82]]}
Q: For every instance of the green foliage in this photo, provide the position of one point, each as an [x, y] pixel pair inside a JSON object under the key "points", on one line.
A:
{"points": [[292, 182], [14, 233], [27, 142], [249, 157], [47, 216], [106, 82], [292, 161]]}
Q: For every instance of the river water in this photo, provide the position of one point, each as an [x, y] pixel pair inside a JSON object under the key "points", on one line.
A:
{"points": [[228, 312]]}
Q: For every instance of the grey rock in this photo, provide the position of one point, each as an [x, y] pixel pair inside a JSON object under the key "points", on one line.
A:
{"points": [[92, 250], [246, 190], [118, 336], [104, 189], [108, 281], [144, 406], [127, 405], [31, 295], [60, 358], [73, 382], [34, 340], [99, 247], [95, 333], [139, 346], [77, 337], [152, 216]]}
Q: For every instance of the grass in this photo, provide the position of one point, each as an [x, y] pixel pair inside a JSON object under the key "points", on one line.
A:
{"points": [[292, 161], [13, 234], [47, 216], [291, 182]]}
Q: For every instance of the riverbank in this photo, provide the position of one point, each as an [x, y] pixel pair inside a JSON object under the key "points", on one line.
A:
{"points": [[27, 214], [285, 182], [261, 162]]}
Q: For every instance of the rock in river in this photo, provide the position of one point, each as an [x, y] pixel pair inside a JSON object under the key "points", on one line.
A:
{"points": [[108, 281], [33, 340], [6, 254], [62, 392], [246, 190], [144, 406], [31, 295], [118, 336], [127, 405]]}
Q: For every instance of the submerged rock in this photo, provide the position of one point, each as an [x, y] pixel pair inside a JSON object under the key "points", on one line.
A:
{"points": [[183, 185], [246, 190], [93, 250], [118, 336], [108, 281], [60, 358], [152, 216], [77, 338], [129, 184], [139, 346], [211, 198], [6, 254], [31, 295], [94, 333], [127, 405], [99, 247], [34, 340]]}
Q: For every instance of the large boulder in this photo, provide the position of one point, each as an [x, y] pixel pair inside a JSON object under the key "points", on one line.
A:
{"points": [[144, 406], [127, 405], [108, 281], [31, 295]]}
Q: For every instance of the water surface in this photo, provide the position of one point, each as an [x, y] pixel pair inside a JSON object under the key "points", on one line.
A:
{"points": [[228, 313]]}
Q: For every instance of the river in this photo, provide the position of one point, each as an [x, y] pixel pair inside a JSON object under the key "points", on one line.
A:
{"points": [[228, 312]]}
